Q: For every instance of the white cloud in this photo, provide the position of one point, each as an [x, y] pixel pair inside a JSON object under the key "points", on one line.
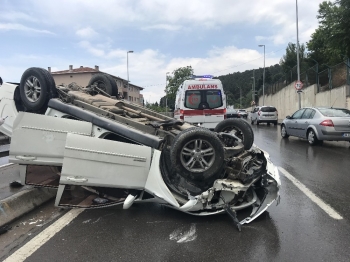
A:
{"points": [[107, 30], [86, 32], [167, 27], [148, 68], [17, 16], [92, 50], [166, 15], [19, 27]]}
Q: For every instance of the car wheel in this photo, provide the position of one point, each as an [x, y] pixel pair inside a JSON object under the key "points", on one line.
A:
{"points": [[105, 83], [312, 138], [275, 123], [197, 154], [172, 178], [284, 132], [37, 87], [268, 124], [53, 89], [240, 128]]}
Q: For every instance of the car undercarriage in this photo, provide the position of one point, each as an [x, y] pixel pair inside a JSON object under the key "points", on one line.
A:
{"points": [[75, 132]]}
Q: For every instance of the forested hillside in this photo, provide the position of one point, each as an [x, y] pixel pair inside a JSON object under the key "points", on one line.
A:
{"points": [[244, 80]]}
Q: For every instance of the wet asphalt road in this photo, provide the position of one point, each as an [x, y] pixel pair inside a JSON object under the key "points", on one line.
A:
{"points": [[296, 230]]}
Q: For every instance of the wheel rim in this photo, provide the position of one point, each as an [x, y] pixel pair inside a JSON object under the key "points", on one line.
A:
{"points": [[283, 131], [311, 137], [197, 155], [100, 85], [32, 89]]}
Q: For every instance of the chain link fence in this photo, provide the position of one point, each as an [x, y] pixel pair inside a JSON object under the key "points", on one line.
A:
{"points": [[331, 77]]}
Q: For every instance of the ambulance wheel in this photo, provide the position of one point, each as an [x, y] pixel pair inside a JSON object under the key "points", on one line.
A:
{"points": [[238, 127], [37, 87], [197, 154], [105, 82]]}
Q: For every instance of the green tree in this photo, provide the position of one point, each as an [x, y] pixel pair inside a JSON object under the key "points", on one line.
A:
{"points": [[289, 60], [268, 79], [179, 75], [155, 107], [331, 40]]}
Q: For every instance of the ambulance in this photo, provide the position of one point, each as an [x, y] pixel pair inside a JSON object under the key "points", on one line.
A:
{"points": [[201, 101]]}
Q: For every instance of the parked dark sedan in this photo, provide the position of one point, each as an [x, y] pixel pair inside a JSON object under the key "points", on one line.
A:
{"points": [[318, 124], [232, 113]]}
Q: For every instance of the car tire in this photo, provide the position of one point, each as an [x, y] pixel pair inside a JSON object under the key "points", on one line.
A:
{"points": [[53, 89], [176, 183], [37, 87], [105, 83], [243, 130], [284, 132], [312, 138], [275, 123], [200, 148]]}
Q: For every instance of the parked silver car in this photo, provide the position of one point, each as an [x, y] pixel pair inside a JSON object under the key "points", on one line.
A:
{"points": [[264, 114], [318, 124], [243, 113]]}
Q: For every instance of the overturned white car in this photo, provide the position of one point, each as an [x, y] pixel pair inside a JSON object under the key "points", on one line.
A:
{"points": [[99, 151]]}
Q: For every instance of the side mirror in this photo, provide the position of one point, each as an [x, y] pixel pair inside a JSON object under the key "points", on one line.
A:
{"points": [[288, 117]]}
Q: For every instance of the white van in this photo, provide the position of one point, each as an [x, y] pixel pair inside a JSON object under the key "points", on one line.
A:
{"points": [[201, 101]]}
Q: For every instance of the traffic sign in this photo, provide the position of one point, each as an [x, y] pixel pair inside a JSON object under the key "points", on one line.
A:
{"points": [[298, 85]]}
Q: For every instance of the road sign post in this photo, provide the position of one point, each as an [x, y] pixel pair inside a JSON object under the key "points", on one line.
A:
{"points": [[298, 85]]}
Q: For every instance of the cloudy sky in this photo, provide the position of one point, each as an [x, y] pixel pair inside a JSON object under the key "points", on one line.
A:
{"points": [[215, 37]]}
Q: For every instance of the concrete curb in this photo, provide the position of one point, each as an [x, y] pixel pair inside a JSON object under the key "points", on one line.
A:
{"points": [[23, 202]]}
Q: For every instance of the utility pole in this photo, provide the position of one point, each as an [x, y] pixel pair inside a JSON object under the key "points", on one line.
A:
{"points": [[127, 69], [253, 85], [263, 76], [166, 93], [240, 97], [298, 66]]}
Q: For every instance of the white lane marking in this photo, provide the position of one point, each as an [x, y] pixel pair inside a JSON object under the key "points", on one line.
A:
{"points": [[326, 208], [39, 240]]}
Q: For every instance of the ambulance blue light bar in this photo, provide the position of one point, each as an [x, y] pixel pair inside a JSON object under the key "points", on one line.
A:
{"points": [[202, 76]]}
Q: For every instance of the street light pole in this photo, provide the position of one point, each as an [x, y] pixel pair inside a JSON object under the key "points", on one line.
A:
{"points": [[240, 97], [298, 66], [127, 68], [263, 76], [253, 85], [166, 93]]}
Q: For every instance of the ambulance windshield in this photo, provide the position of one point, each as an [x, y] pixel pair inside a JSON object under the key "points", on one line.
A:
{"points": [[203, 99]]}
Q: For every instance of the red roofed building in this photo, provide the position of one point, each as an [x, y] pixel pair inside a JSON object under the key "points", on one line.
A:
{"points": [[82, 76]]}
